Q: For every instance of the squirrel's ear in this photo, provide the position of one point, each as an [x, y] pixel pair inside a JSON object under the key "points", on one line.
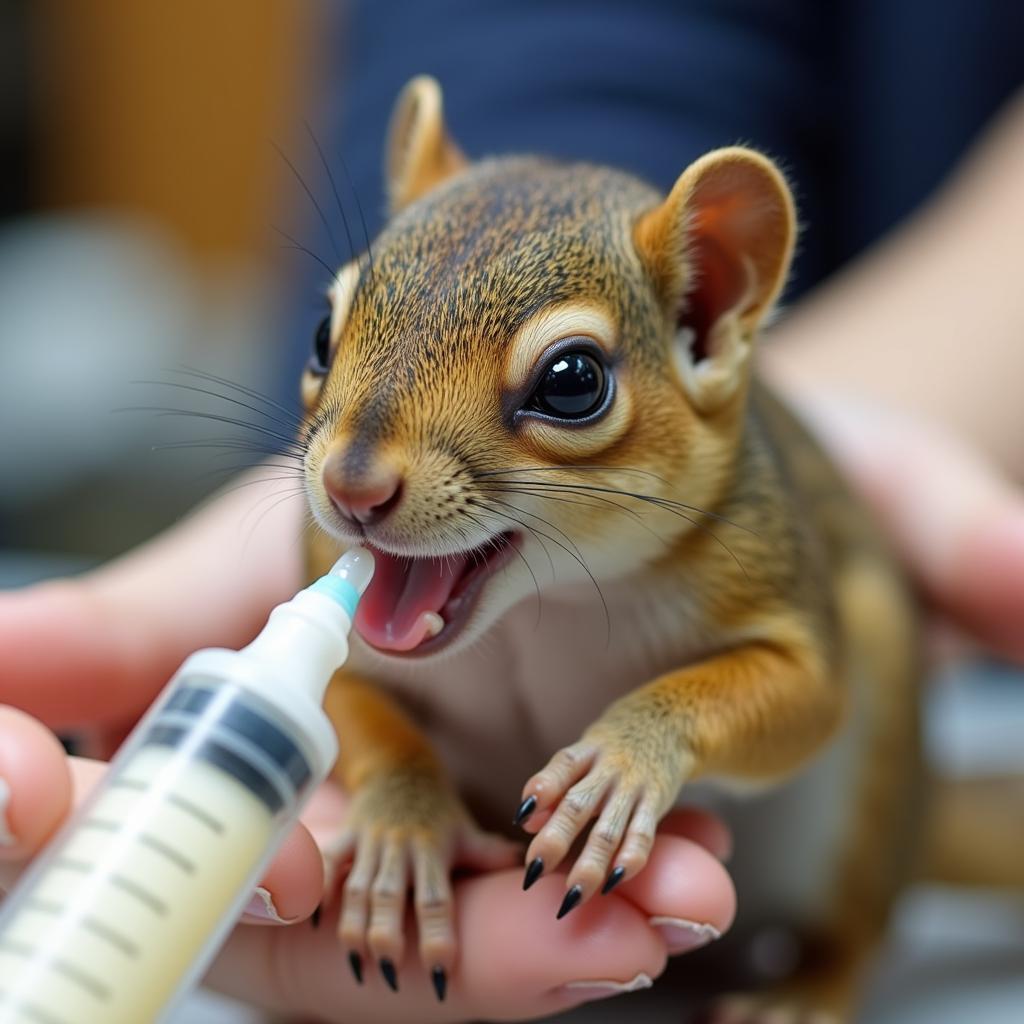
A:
{"points": [[420, 154], [718, 249]]}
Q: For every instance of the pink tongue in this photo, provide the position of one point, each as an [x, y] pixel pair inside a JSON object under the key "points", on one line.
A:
{"points": [[390, 615]]}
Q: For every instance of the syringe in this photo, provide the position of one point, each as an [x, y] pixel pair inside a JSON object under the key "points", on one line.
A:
{"points": [[130, 902]]}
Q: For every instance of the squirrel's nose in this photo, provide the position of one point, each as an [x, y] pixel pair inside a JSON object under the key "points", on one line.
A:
{"points": [[364, 500]]}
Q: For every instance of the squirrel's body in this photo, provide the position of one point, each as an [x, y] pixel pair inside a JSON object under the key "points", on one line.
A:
{"points": [[679, 576]]}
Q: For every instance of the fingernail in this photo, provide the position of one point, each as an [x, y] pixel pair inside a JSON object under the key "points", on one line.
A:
{"points": [[526, 808], [572, 897], [314, 918], [387, 968], [261, 907], [603, 989], [682, 935], [7, 837], [355, 961], [613, 880], [440, 980], [533, 871]]}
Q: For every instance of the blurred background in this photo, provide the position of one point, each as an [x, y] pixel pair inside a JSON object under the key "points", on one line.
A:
{"points": [[140, 193], [142, 204]]}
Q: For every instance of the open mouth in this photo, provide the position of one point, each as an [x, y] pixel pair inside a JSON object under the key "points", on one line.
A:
{"points": [[417, 605]]}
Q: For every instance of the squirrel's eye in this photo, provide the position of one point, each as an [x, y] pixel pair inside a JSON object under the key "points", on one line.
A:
{"points": [[573, 386], [320, 361]]}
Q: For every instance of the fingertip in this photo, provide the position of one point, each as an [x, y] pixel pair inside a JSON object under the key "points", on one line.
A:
{"points": [[985, 587], [702, 827], [292, 887], [683, 881], [35, 784]]}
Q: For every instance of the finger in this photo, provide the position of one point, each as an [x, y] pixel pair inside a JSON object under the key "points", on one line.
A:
{"points": [[292, 887], [700, 826], [42, 784], [124, 629], [486, 851], [515, 962], [953, 516], [686, 894], [35, 784]]}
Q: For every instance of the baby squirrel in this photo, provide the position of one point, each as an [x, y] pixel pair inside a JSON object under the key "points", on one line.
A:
{"points": [[606, 556]]}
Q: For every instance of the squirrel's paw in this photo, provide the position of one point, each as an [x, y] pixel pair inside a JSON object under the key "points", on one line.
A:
{"points": [[603, 777], [405, 832]]}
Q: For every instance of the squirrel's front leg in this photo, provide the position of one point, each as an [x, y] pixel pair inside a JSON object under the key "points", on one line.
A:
{"points": [[405, 829], [755, 712]]}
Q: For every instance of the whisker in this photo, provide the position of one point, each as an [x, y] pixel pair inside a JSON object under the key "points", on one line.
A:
{"points": [[288, 496], [663, 503], [476, 503], [334, 188], [523, 559], [198, 414], [216, 394], [651, 498], [546, 522], [229, 445], [632, 513], [362, 217], [323, 219], [332, 272], [583, 565], [292, 414]]}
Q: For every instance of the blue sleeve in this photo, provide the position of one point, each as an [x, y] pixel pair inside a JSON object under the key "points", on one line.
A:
{"points": [[867, 104], [647, 86]]}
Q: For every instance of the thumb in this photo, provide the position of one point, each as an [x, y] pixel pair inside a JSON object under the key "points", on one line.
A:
{"points": [[96, 649], [951, 514]]}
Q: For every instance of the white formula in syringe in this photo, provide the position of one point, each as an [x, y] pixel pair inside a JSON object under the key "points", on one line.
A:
{"points": [[130, 902]]}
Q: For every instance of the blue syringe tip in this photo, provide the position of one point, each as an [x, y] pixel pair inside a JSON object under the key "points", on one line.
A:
{"points": [[355, 567]]}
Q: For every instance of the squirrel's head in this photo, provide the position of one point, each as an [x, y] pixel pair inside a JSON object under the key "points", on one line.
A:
{"points": [[537, 379]]}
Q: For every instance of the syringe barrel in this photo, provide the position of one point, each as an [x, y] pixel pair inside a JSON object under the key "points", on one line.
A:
{"points": [[131, 901]]}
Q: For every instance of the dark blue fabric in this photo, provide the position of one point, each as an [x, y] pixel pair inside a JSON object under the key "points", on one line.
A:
{"points": [[866, 103]]}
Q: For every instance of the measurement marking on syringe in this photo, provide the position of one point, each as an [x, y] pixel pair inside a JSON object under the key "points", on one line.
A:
{"points": [[116, 939], [197, 812], [85, 981], [91, 924], [33, 1012], [154, 903], [123, 783], [171, 854], [72, 864], [183, 804], [101, 823]]}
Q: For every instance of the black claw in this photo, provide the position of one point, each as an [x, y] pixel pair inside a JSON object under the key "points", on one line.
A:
{"points": [[526, 808], [440, 980], [613, 880], [355, 961], [387, 968], [314, 918], [572, 897], [533, 871]]}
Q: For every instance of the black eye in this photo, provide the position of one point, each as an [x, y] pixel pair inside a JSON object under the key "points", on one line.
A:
{"points": [[320, 361], [573, 386]]}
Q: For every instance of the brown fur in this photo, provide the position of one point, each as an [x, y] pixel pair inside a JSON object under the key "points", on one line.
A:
{"points": [[785, 593]]}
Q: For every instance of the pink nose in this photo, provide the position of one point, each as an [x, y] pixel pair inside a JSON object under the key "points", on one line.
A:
{"points": [[363, 501]]}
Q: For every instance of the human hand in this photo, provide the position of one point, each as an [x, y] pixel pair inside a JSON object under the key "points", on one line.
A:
{"points": [[94, 652], [952, 515]]}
